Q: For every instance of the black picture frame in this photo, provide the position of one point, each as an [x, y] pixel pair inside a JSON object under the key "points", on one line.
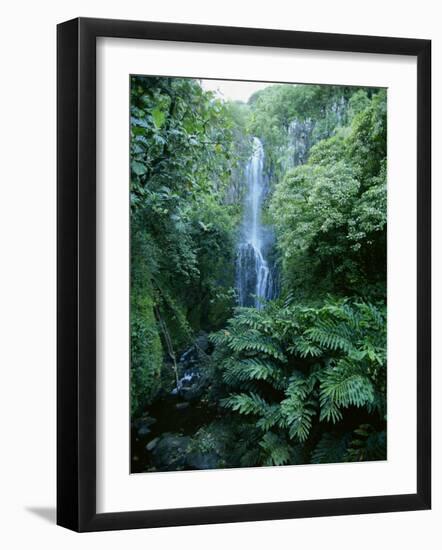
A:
{"points": [[77, 287]]}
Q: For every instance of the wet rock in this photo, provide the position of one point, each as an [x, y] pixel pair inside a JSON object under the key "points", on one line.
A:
{"points": [[182, 405], [203, 461], [191, 384], [189, 357], [195, 352], [143, 431], [152, 444], [171, 450], [192, 392], [143, 425]]}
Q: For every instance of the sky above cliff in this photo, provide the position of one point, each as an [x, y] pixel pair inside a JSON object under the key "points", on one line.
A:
{"points": [[233, 89]]}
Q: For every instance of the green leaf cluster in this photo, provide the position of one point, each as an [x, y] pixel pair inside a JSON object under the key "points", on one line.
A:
{"points": [[292, 380], [330, 213], [183, 156]]}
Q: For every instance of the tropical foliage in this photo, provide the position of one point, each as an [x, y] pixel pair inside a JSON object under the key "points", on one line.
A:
{"points": [[302, 379], [297, 374]]}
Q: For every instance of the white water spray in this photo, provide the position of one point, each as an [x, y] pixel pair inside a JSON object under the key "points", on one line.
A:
{"points": [[254, 279]]}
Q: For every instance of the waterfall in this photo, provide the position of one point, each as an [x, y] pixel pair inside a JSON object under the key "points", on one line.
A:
{"points": [[254, 278]]}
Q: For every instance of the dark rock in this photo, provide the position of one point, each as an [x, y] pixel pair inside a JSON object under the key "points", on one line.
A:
{"points": [[143, 431], [152, 444], [202, 342], [189, 357], [143, 421], [191, 392], [182, 405], [171, 450], [203, 461]]}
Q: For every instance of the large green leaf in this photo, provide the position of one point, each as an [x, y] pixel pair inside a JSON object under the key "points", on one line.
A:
{"points": [[158, 117], [138, 167]]}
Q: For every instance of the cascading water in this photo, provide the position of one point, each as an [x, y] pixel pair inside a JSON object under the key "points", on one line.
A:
{"points": [[254, 279]]}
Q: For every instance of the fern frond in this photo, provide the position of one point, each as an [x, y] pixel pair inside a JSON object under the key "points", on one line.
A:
{"points": [[345, 385], [329, 336], [251, 318], [245, 403], [250, 369], [275, 450], [300, 407], [253, 341], [368, 444], [329, 411], [272, 417], [304, 348], [331, 448], [220, 338]]}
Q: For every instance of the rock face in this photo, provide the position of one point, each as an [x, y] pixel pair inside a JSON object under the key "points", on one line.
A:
{"points": [[300, 133]]}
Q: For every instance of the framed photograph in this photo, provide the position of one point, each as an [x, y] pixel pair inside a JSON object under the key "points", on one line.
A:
{"points": [[243, 274]]}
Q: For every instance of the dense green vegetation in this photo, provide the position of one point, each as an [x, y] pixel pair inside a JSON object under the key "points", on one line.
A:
{"points": [[303, 379]]}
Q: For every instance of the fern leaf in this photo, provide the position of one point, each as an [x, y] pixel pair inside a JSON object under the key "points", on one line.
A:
{"points": [[275, 450], [245, 403], [344, 385], [331, 448], [368, 444]]}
